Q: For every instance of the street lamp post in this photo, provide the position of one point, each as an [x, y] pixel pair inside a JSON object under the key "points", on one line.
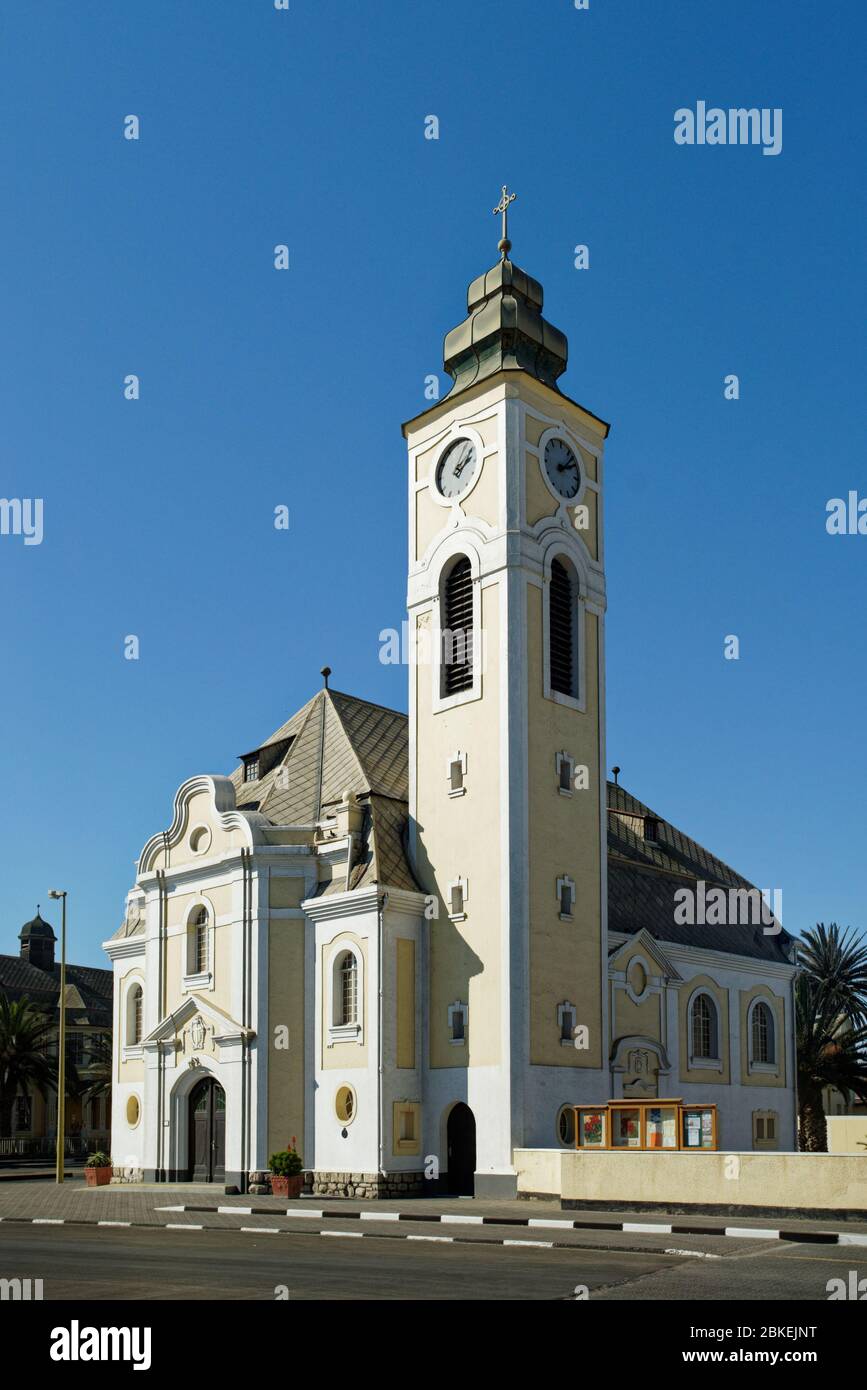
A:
{"points": [[61, 1041]]}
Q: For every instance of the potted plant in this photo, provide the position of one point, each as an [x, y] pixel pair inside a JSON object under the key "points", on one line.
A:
{"points": [[286, 1177], [97, 1170]]}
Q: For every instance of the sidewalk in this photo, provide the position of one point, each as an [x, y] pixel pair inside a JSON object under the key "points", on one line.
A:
{"points": [[203, 1206]]}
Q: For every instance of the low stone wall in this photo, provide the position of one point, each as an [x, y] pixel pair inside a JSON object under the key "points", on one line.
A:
{"points": [[814, 1184], [372, 1185]]}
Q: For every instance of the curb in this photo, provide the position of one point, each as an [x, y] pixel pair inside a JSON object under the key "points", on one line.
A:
{"points": [[449, 1219]]}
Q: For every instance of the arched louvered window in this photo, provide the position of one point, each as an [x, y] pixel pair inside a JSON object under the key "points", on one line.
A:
{"points": [[457, 629], [563, 629], [763, 1034]]}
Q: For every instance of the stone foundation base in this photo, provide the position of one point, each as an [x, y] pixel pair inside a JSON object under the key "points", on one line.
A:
{"points": [[367, 1185], [126, 1175]]}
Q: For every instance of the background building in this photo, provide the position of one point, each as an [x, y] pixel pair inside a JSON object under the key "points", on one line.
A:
{"points": [[35, 974]]}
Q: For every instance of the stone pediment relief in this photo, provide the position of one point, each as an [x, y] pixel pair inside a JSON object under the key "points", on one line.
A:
{"points": [[197, 1026]]}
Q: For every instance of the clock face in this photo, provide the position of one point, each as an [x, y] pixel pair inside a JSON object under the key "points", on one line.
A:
{"points": [[457, 468], [562, 468]]}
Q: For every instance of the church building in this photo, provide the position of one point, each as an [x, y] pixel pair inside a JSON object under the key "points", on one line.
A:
{"points": [[414, 942]]}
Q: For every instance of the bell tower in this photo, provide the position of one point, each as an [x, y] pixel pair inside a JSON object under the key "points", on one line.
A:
{"points": [[506, 599]]}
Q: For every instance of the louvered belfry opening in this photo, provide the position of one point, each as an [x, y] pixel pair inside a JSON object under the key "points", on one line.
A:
{"points": [[457, 633], [563, 631]]}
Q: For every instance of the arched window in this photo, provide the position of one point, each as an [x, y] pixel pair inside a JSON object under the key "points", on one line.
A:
{"points": [[763, 1034], [134, 1016], [457, 629], [346, 990], [563, 629], [198, 956], [705, 1032]]}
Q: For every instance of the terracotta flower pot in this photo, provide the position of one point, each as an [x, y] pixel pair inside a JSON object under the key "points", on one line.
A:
{"points": [[97, 1177], [286, 1187]]}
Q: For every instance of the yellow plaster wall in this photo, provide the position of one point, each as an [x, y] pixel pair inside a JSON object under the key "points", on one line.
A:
{"points": [[465, 956], [405, 976], [565, 957], [285, 1007], [285, 891]]}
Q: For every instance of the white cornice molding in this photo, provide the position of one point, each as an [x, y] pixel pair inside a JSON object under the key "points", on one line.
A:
{"points": [[363, 900], [125, 946], [221, 791]]}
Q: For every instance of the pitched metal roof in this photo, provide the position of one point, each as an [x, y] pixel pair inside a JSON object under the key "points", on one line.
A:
{"points": [[342, 744], [644, 876]]}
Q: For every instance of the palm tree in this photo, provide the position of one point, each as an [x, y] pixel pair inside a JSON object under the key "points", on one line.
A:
{"points": [[831, 1025], [24, 1064]]}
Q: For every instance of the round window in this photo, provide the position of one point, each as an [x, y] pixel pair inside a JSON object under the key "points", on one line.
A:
{"points": [[637, 977], [200, 840], [344, 1104], [566, 1125], [133, 1111]]}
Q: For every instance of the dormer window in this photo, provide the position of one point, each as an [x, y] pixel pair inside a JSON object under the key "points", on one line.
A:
{"points": [[251, 767], [651, 830]]}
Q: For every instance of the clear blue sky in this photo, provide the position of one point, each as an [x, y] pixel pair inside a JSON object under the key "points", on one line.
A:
{"points": [[261, 387]]}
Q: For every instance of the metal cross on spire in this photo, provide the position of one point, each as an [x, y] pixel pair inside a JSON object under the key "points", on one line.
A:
{"points": [[503, 207]]}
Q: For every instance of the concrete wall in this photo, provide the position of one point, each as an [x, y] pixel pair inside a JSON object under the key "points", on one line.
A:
{"points": [[847, 1134], [808, 1182]]}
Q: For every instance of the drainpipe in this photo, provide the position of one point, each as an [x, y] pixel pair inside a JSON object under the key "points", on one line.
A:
{"points": [[383, 901]]}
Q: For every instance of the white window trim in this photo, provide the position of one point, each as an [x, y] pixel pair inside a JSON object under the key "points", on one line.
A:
{"points": [[762, 1068], [464, 885], [703, 1063], [559, 760], [197, 980], [570, 701], [458, 1007], [564, 881], [456, 758], [345, 1032]]}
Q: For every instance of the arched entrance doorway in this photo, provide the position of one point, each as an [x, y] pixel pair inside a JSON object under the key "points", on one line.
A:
{"points": [[207, 1132], [461, 1147]]}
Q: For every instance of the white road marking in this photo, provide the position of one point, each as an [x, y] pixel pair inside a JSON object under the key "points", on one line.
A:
{"points": [[647, 1227]]}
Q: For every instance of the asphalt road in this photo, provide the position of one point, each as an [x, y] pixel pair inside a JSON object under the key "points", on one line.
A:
{"points": [[82, 1263]]}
